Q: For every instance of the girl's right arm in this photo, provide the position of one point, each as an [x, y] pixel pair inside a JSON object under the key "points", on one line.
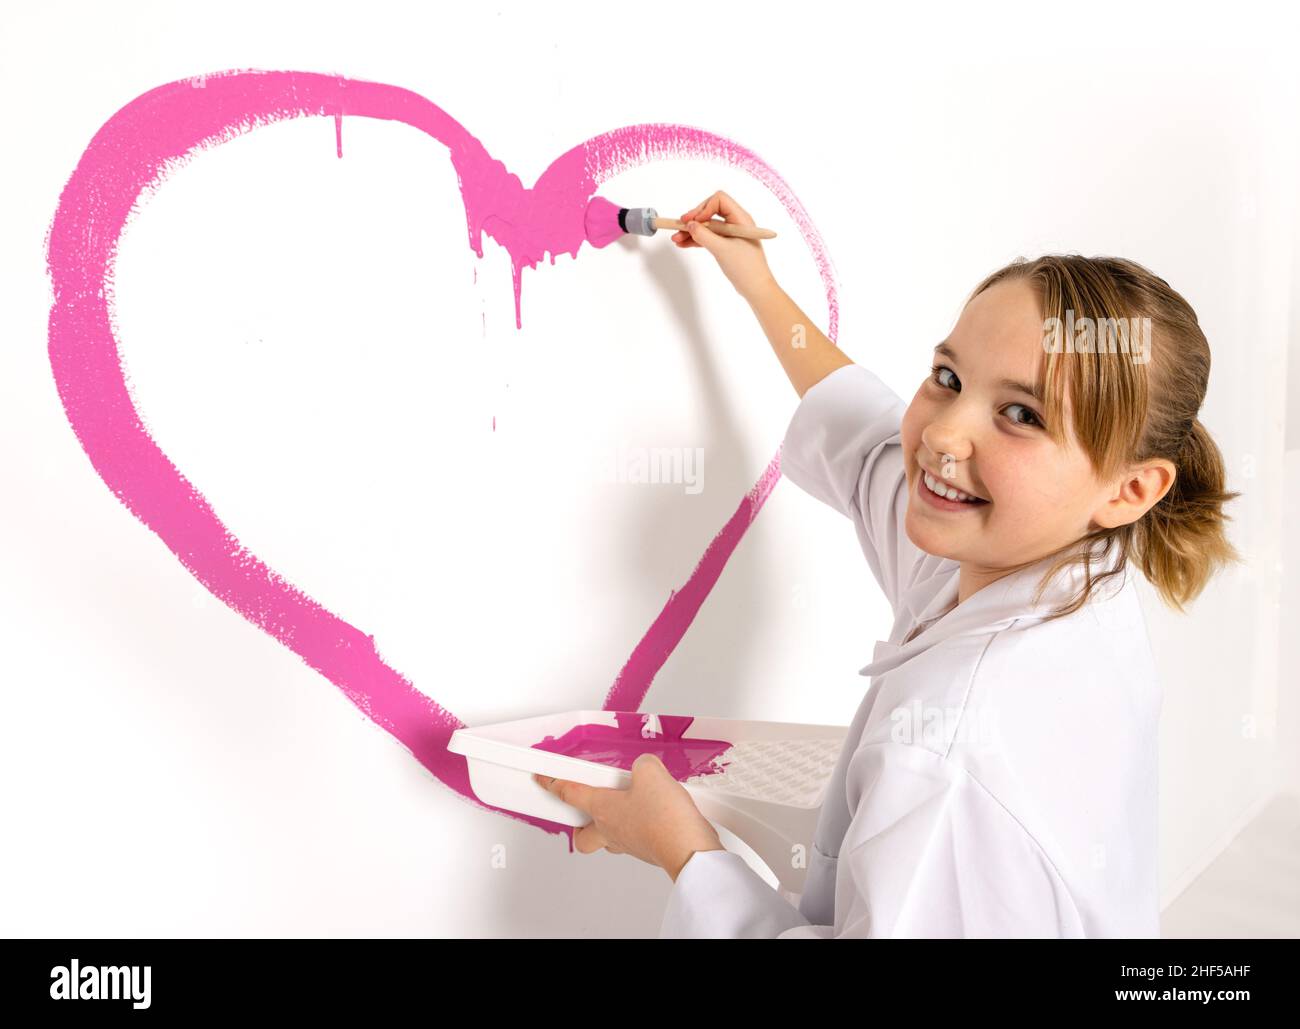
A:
{"points": [[803, 350]]}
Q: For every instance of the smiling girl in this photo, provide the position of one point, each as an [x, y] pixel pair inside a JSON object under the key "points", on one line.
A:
{"points": [[999, 776]]}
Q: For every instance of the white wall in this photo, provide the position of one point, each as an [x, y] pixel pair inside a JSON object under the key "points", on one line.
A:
{"points": [[171, 769]]}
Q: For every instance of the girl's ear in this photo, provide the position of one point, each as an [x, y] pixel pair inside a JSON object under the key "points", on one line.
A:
{"points": [[1155, 479], [1137, 493]]}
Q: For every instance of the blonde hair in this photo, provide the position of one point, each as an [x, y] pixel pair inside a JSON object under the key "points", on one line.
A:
{"points": [[1127, 410]]}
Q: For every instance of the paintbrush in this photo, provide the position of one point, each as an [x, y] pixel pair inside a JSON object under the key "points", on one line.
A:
{"points": [[606, 222]]}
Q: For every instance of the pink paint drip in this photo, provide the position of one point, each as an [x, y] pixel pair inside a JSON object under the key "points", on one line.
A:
{"points": [[621, 744], [135, 151]]}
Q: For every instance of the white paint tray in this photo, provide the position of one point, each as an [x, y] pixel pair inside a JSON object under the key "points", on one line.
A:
{"points": [[764, 789]]}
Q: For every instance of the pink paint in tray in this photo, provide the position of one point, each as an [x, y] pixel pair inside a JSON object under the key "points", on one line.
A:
{"points": [[759, 783], [635, 734]]}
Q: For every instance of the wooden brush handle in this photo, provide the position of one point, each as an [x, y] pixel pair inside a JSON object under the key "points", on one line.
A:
{"points": [[720, 227]]}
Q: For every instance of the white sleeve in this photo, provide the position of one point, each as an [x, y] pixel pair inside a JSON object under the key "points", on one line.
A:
{"points": [[718, 896], [843, 446], [929, 853]]}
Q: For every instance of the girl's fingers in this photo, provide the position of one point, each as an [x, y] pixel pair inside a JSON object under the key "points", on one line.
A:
{"points": [[719, 204], [698, 208], [736, 213], [702, 211], [588, 839], [733, 211]]}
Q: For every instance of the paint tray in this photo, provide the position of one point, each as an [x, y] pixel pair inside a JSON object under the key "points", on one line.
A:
{"points": [[760, 784]]}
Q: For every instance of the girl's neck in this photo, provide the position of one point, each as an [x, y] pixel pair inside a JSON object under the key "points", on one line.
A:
{"points": [[974, 578]]}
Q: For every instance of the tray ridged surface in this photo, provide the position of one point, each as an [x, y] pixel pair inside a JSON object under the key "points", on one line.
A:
{"points": [[790, 771]]}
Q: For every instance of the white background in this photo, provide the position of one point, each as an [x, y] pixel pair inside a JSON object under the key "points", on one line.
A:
{"points": [[169, 769]]}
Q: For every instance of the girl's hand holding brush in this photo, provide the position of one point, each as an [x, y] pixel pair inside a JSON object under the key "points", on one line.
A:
{"points": [[741, 260], [805, 353]]}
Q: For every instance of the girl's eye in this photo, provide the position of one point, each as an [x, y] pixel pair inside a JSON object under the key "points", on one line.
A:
{"points": [[936, 376], [937, 373], [1028, 412]]}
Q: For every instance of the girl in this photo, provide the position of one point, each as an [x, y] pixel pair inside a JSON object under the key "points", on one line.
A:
{"points": [[999, 777]]}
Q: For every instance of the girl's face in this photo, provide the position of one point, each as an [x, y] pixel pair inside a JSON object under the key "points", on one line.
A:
{"points": [[1035, 496]]}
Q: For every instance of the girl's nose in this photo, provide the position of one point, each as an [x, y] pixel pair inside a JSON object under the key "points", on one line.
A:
{"points": [[941, 441]]}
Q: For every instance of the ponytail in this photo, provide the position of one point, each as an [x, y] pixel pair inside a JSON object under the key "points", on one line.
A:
{"points": [[1181, 542]]}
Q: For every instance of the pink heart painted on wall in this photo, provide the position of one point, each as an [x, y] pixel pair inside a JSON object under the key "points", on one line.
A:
{"points": [[133, 152]]}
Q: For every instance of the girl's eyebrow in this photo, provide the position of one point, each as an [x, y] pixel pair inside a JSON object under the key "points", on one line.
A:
{"points": [[1011, 384]]}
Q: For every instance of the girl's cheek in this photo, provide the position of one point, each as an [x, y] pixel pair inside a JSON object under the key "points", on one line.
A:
{"points": [[1031, 487], [911, 439], [913, 419], [1031, 475]]}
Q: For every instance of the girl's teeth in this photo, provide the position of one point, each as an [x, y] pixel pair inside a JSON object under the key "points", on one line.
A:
{"points": [[946, 491]]}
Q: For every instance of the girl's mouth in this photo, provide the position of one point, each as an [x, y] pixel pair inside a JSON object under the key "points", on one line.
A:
{"points": [[942, 503]]}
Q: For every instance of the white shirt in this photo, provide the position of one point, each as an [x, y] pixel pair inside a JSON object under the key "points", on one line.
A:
{"points": [[999, 777]]}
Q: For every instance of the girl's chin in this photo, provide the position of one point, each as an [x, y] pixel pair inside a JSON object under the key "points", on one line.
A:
{"points": [[941, 534], [933, 539]]}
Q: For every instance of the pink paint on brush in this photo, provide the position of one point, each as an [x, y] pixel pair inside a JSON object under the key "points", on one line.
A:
{"points": [[601, 222], [621, 744], [134, 152]]}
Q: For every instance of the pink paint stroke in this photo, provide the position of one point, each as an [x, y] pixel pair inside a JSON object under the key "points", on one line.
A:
{"points": [[135, 151], [667, 630]]}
